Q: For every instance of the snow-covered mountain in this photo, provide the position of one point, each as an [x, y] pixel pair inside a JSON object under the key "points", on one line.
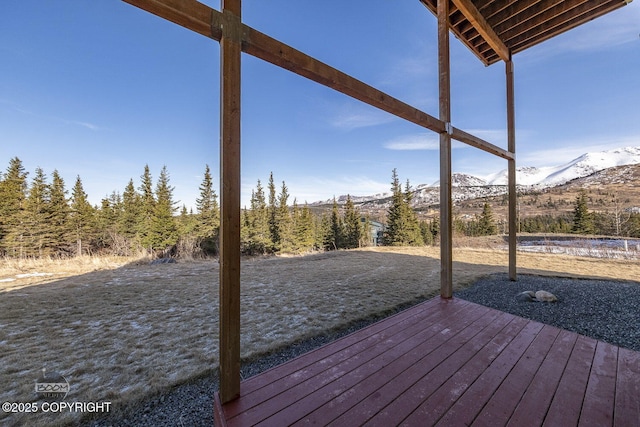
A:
{"points": [[587, 164], [467, 186]]}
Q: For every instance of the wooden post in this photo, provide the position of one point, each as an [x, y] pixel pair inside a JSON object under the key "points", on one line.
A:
{"points": [[511, 138], [446, 251], [230, 52]]}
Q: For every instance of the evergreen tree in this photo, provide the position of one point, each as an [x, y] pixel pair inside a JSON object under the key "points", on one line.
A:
{"points": [[36, 235], [427, 233], [13, 194], [333, 231], [284, 223], [352, 226], [209, 214], [129, 223], [259, 235], [583, 222], [486, 223], [106, 219], [147, 210], [164, 230], [368, 238], [189, 244], [304, 229], [395, 226], [59, 214], [402, 223], [272, 210], [413, 232], [82, 217]]}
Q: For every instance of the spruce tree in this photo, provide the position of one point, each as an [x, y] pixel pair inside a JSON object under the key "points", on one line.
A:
{"points": [[35, 237], [164, 230], [13, 194], [59, 214], [393, 234], [106, 225], [426, 231], [259, 235], [147, 210], [352, 226], [583, 222], [413, 233], [208, 214], [333, 230], [304, 230], [486, 222], [129, 223], [272, 210], [81, 217], [285, 226], [402, 223]]}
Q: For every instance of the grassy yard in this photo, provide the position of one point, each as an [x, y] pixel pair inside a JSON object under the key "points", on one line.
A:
{"points": [[119, 331]]}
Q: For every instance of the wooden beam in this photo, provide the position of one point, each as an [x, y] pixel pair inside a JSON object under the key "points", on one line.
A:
{"points": [[446, 244], [513, 200], [481, 144], [474, 16], [190, 14], [229, 347], [271, 50]]}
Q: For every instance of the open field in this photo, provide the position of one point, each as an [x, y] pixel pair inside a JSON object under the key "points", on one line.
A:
{"points": [[124, 333]]}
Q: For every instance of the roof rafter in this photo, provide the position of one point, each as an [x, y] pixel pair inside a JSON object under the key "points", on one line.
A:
{"points": [[473, 15]]}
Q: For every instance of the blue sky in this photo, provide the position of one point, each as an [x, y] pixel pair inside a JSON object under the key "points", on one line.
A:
{"points": [[100, 88]]}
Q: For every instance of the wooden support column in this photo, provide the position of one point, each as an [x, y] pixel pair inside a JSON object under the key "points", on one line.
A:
{"points": [[230, 52], [513, 200], [446, 243]]}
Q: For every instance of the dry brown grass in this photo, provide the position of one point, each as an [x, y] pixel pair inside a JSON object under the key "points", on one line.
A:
{"points": [[124, 333], [21, 272]]}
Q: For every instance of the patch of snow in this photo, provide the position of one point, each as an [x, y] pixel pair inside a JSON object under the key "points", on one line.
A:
{"points": [[35, 274], [467, 186], [10, 279], [580, 167]]}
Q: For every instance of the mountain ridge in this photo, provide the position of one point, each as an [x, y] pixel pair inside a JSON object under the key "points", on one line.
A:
{"points": [[467, 186]]}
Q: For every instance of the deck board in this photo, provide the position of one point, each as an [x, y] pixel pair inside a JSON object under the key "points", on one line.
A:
{"points": [[446, 362]]}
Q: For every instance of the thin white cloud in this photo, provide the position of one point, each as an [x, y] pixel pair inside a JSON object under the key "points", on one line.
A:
{"points": [[313, 189], [354, 116], [422, 141], [619, 27], [87, 125], [80, 123], [615, 29], [418, 142]]}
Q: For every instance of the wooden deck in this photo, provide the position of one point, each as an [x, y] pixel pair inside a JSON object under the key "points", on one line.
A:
{"points": [[447, 363]]}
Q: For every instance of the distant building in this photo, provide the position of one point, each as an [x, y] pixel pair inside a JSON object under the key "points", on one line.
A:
{"points": [[377, 231]]}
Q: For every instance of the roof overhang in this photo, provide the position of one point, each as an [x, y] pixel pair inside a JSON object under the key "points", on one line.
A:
{"points": [[496, 29]]}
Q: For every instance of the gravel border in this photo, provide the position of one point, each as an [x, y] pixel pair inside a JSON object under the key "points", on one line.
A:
{"points": [[602, 309], [605, 310]]}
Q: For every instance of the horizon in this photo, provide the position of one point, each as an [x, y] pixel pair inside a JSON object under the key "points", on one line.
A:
{"points": [[100, 89]]}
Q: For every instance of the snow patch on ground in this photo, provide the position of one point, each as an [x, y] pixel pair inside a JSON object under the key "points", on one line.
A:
{"points": [[35, 274]]}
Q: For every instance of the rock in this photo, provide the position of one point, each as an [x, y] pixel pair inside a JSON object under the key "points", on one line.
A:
{"points": [[545, 296], [526, 296], [163, 261]]}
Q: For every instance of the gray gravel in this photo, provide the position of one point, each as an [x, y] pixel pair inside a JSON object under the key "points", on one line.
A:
{"points": [[604, 310]]}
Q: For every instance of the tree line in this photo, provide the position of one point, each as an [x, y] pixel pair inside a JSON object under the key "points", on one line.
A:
{"points": [[38, 217], [582, 220]]}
